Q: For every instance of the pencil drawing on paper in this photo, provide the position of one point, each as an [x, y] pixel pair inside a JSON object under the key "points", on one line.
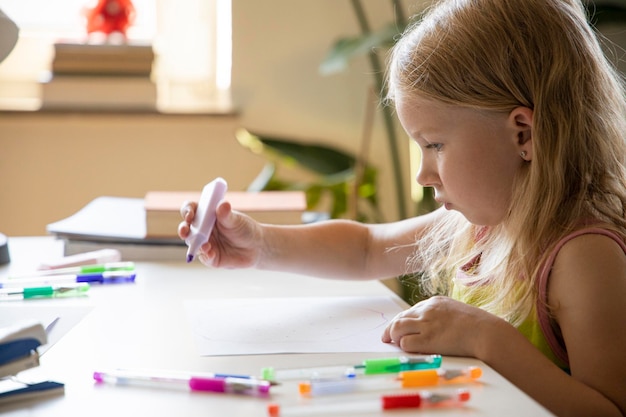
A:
{"points": [[303, 324]]}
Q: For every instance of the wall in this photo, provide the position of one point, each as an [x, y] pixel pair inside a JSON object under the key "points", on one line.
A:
{"points": [[51, 164], [278, 46]]}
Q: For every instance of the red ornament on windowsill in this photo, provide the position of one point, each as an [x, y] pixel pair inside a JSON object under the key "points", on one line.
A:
{"points": [[110, 17]]}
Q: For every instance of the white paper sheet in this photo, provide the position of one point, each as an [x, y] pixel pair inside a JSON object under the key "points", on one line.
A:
{"points": [[248, 326]]}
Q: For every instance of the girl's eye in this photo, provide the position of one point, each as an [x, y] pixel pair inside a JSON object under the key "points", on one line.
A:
{"points": [[435, 146]]}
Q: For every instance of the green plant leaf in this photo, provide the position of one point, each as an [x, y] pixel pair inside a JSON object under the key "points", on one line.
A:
{"points": [[321, 159], [313, 195], [334, 168], [347, 48]]}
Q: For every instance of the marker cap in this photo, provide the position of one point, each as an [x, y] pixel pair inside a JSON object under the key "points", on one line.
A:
{"points": [[304, 388], [463, 395], [273, 410], [268, 373], [475, 372]]}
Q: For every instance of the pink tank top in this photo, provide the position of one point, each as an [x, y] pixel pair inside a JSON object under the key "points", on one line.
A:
{"points": [[543, 333], [555, 342]]}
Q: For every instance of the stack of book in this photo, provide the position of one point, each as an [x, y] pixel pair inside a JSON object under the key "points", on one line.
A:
{"points": [[100, 76], [118, 223], [276, 207], [146, 229]]}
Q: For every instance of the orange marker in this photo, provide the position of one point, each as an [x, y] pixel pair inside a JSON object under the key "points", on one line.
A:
{"points": [[430, 377]]}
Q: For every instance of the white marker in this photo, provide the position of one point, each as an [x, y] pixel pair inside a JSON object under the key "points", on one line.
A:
{"points": [[97, 257], [203, 222]]}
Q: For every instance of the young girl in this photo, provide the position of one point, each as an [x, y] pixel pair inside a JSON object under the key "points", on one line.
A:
{"points": [[521, 122]]}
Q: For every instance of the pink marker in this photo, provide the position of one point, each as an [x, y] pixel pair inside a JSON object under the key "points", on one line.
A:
{"points": [[203, 222]]}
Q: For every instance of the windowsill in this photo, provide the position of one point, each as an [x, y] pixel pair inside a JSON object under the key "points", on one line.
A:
{"points": [[181, 98], [126, 112], [34, 106], [20, 111]]}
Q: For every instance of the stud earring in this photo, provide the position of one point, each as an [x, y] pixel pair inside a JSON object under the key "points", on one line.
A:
{"points": [[523, 155]]}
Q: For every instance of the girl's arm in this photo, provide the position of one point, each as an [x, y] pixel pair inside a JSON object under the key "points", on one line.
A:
{"points": [[587, 293], [330, 249], [587, 296], [341, 248]]}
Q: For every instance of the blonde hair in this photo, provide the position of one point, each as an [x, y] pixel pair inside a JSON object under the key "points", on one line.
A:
{"points": [[497, 55]]}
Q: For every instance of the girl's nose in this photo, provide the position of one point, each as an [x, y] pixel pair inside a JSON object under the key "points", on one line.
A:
{"points": [[426, 174]]}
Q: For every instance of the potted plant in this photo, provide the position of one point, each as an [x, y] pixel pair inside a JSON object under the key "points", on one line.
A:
{"points": [[348, 181]]}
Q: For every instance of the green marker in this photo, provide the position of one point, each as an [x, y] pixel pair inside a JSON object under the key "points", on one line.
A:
{"points": [[51, 291], [110, 267], [80, 270], [368, 367], [400, 364]]}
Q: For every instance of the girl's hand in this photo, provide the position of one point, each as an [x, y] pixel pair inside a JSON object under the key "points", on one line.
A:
{"points": [[442, 325], [236, 239]]}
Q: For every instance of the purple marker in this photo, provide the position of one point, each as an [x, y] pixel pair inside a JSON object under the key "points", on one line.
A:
{"points": [[203, 222]]}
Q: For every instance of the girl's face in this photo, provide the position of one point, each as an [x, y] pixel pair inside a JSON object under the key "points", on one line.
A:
{"points": [[469, 157]]}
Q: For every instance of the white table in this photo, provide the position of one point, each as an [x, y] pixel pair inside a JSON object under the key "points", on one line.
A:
{"points": [[144, 325]]}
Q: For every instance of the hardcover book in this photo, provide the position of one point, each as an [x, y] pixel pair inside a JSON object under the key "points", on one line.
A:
{"points": [[276, 207], [97, 59], [100, 77], [99, 92], [114, 223]]}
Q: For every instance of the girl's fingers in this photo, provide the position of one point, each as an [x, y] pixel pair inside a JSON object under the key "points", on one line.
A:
{"points": [[205, 259], [183, 230], [188, 210]]}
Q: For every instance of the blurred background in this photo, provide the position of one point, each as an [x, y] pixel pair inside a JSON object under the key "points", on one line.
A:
{"points": [[261, 72], [219, 66]]}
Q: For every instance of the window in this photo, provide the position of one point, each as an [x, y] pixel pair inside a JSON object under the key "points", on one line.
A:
{"points": [[192, 41]]}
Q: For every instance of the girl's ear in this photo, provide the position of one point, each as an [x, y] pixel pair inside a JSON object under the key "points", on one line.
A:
{"points": [[521, 119]]}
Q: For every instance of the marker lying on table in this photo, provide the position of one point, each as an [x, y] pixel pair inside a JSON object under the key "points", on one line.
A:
{"points": [[407, 379], [387, 402], [204, 220], [368, 367], [440, 376], [52, 291], [99, 256], [81, 270], [113, 277], [399, 364], [221, 383]]}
